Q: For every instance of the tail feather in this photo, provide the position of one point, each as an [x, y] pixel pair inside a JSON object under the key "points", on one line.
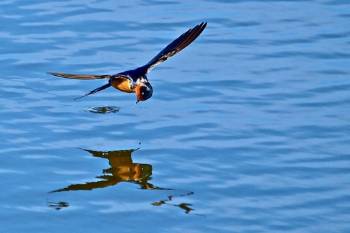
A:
{"points": [[94, 91]]}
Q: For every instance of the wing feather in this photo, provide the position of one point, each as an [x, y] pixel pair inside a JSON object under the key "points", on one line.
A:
{"points": [[177, 45], [80, 76]]}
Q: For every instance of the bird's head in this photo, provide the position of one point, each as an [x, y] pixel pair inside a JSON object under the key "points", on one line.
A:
{"points": [[143, 91]]}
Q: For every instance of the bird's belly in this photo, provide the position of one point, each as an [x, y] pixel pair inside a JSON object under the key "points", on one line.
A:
{"points": [[122, 85]]}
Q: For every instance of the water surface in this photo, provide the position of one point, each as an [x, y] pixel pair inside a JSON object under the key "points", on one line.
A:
{"points": [[247, 130]]}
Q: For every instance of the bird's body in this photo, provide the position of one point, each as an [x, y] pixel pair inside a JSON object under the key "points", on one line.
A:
{"points": [[122, 84], [135, 81]]}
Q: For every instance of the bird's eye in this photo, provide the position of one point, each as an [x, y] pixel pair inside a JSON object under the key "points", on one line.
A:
{"points": [[143, 93]]}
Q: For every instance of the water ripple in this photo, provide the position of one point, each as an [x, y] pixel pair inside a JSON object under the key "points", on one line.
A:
{"points": [[247, 129]]}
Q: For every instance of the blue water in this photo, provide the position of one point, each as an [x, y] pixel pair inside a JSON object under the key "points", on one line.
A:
{"points": [[247, 131]]}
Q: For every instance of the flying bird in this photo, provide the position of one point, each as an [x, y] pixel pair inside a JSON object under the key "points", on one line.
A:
{"points": [[136, 81]]}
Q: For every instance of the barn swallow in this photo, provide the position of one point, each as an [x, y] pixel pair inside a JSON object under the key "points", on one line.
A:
{"points": [[135, 81]]}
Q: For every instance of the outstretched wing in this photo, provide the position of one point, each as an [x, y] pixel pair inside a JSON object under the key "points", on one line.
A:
{"points": [[177, 45], [108, 181], [80, 76]]}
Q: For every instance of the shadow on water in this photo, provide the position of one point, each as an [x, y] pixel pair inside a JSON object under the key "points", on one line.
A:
{"points": [[104, 109], [123, 169], [58, 205]]}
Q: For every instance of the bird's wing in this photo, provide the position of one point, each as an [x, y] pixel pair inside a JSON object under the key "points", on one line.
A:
{"points": [[177, 45], [80, 76], [89, 185]]}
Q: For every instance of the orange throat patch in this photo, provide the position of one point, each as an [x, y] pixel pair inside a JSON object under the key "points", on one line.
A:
{"points": [[122, 84]]}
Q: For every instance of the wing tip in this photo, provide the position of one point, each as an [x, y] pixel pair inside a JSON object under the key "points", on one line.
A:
{"points": [[57, 74], [198, 29], [202, 25]]}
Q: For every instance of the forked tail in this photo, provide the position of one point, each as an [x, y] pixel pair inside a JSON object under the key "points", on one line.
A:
{"points": [[94, 91]]}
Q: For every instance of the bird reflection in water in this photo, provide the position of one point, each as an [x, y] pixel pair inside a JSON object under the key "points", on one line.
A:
{"points": [[185, 206], [122, 169]]}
